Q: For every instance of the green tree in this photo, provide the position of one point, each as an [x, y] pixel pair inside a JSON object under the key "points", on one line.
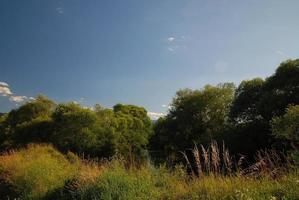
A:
{"points": [[75, 128], [247, 124], [30, 122], [256, 103], [244, 106], [107, 136], [196, 116], [286, 127], [280, 90], [134, 129]]}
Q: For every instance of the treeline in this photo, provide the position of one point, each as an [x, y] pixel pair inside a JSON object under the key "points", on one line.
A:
{"points": [[97, 132], [258, 114]]}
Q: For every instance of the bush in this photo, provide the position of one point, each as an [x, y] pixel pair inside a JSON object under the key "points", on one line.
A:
{"points": [[35, 171], [286, 127]]}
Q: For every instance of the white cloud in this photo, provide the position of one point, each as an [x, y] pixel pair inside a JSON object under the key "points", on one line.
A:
{"points": [[173, 48], [166, 106], [4, 84], [18, 99], [175, 43], [5, 91], [170, 39], [170, 49], [75, 102], [155, 115]]}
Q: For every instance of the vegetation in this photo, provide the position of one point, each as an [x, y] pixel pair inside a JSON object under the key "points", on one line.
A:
{"points": [[54, 176], [33, 172], [219, 142]]}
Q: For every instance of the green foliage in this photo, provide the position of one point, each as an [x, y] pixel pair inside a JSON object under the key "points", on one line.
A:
{"points": [[75, 128], [35, 171], [134, 128], [40, 172], [286, 127], [249, 113], [70, 127], [195, 117], [28, 123], [244, 107], [256, 103], [280, 90]]}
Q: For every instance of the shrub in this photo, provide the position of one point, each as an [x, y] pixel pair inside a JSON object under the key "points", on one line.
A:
{"points": [[35, 171]]}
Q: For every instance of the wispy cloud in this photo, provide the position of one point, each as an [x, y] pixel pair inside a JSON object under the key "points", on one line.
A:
{"points": [[170, 39], [172, 48], [166, 106], [18, 99], [5, 91], [175, 42], [79, 101], [281, 53], [155, 115], [60, 10]]}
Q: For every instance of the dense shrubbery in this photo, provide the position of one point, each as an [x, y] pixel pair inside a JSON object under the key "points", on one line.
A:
{"points": [[286, 128], [34, 172]]}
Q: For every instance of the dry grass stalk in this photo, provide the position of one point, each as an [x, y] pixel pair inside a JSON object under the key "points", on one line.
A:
{"points": [[188, 162], [240, 163], [214, 160], [268, 163], [196, 155], [206, 159], [227, 160], [210, 160], [215, 157]]}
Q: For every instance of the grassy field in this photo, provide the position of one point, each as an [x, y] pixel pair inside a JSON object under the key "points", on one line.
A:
{"points": [[41, 172]]}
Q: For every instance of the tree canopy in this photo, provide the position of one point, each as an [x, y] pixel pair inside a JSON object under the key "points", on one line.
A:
{"points": [[257, 114]]}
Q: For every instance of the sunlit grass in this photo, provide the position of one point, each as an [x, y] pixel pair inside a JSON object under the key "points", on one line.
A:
{"points": [[41, 172], [35, 171]]}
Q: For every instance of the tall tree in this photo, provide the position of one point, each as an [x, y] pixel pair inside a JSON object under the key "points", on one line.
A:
{"points": [[196, 116], [134, 128], [280, 90], [28, 123], [75, 128]]}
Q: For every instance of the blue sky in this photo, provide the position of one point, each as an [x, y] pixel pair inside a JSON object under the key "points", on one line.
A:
{"points": [[138, 51]]}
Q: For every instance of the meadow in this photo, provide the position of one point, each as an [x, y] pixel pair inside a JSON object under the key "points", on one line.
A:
{"points": [[41, 172]]}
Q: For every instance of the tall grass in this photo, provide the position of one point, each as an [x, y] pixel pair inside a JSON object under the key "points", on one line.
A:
{"points": [[34, 172], [40, 172], [217, 161]]}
